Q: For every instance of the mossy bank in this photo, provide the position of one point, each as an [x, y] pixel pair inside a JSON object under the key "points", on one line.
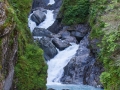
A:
{"points": [[105, 26], [19, 52], [103, 17]]}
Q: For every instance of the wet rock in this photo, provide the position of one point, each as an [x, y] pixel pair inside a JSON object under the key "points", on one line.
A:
{"points": [[78, 35], [38, 16], [78, 31], [64, 34], [56, 11], [51, 89], [40, 8], [42, 32], [39, 3], [93, 44], [83, 68], [57, 4], [55, 27], [61, 45], [48, 47]]}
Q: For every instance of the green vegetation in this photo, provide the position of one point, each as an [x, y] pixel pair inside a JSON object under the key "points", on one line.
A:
{"points": [[30, 70], [104, 20], [74, 11]]}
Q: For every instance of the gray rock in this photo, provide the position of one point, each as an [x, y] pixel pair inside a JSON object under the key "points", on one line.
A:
{"points": [[61, 45], [51, 89], [40, 8], [83, 68], [55, 27], [39, 3], [38, 16], [70, 39], [78, 31], [78, 35], [42, 32], [64, 34], [49, 49]]}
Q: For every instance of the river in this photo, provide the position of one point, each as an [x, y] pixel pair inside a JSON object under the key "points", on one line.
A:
{"points": [[56, 65]]}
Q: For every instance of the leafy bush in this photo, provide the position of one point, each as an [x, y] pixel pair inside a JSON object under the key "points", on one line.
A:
{"points": [[31, 69], [75, 12], [102, 19]]}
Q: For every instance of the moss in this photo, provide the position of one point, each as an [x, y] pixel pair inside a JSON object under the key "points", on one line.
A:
{"points": [[74, 12], [0, 54], [104, 21], [30, 69]]}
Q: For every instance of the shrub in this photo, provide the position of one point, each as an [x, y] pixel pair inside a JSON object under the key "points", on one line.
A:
{"points": [[31, 69], [75, 12]]}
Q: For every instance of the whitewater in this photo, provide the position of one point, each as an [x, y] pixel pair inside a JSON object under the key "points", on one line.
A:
{"points": [[57, 64]]}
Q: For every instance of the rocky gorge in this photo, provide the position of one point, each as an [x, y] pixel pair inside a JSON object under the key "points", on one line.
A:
{"points": [[82, 68], [72, 44]]}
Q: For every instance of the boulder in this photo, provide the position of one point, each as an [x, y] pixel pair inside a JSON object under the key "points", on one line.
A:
{"points": [[70, 39], [61, 45], [38, 16], [78, 35], [78, 31], [64, 34], [48, 47], [42, 32]]}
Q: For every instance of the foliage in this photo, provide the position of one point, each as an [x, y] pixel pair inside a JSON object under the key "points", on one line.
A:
{"points": [[102, 19], [75, 12], [31, 69]]}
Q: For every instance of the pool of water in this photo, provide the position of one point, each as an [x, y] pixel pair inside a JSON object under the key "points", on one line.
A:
{"points": [[71, 87]]}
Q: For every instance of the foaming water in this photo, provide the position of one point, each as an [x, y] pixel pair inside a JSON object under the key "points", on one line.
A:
{"points": [[31, 24], [48, 21], [51, 2], [56, 65], [45, 24]]}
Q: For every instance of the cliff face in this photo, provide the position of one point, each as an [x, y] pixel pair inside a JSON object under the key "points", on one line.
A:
{"points": [[20, 58], [104, 19], [8, 48], [105, 33]]}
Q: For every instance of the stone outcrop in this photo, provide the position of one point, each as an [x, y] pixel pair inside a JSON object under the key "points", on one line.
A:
{"points": [[83, 68], [8, 49]]}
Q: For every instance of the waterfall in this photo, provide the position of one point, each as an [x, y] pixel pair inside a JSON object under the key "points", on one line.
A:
{"points": [[48, 21], [57, 64], [45, 24], [51, 2]]}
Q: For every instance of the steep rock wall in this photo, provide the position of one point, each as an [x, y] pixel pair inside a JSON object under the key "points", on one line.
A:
{"points": [[17, 58], [8, 47]]}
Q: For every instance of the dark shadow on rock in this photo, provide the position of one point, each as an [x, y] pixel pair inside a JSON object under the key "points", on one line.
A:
{"points": [[61, 45], [42, 32], [48, 47]]}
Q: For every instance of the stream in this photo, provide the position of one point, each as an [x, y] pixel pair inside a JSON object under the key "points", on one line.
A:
{"points": [[56, 64]]}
